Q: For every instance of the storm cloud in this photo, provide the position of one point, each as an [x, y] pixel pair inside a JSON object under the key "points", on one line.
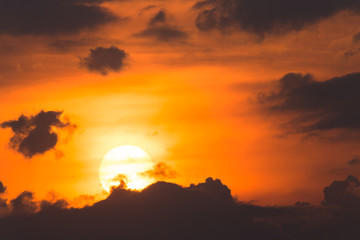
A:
{"points": [[168, 211], [161, 30], [36, 134], [316, 106], [104, 60], [43, 17], [267, 17]]}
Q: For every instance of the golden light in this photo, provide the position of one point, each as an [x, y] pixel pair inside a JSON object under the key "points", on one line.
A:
{"points": [[129, 161]]}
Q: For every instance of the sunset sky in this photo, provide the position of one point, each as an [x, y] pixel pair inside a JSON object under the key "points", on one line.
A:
{"points": [[262, 95]]}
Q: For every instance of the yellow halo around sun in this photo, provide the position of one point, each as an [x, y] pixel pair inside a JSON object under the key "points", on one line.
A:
{"points": [[125, 161]]}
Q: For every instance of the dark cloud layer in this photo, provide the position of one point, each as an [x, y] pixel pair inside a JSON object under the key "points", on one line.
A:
{"points": [[35, 134], [267, 17], [318, 106], [43, 17], [104, 60], [159, 29], [168, 211]]}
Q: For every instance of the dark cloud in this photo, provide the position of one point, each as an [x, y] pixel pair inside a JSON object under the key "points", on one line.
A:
{"points": [[161, 171], [24, 204], [343, 193], [160, 17], [43, 17], [356, 38], [168, 211], [104, 60], [267, 17], [36, 134], [354, 161], [160, 30], [2, 188], [317, 106]]}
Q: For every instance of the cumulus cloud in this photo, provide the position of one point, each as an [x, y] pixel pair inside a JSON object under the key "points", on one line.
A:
{"points": [[104, 60], [267, 17], [343, 193], [168, 211], [161, 171], [36, 134], [318, 106], [159, 29], [43, 17]]}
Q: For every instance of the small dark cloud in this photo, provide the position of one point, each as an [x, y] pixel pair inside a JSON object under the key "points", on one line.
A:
{"points": [[315, 105], [36, 134], [24, 204], [43, 17], [161, 172], [354, 161], [104, 60], [343, 193], [160, 30], [267, 17], [2, 188], [158, 18], [356, 38]]}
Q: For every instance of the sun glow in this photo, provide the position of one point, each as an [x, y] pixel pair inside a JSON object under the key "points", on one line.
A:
{"points": [[125, 163]]}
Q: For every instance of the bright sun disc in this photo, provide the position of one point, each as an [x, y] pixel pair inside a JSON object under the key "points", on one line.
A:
{"points": [[129, 161]]}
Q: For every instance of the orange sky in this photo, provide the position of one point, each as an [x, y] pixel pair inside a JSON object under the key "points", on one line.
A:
{"points": [[190, 103]]}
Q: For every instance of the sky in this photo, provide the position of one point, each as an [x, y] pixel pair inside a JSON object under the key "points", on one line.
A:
{"points": [[259, 98]]}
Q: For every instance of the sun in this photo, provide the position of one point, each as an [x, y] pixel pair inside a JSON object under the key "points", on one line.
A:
{"points": [[125, 163]]}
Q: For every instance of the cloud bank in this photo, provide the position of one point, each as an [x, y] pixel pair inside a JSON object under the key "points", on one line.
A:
{"points": [[263, 17], [317, 106], [168, 211], [43, 17]]}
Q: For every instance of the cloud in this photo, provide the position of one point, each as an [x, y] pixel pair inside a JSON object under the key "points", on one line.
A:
{"points": [[161, 171], [24, 204], [354, 161], [356, 38], [267, 17], [168, 211], [159, 29], [2, 188], [317, 106], [36, 134], [343, 193], [159, 18], [43, 17], [104, 60]]}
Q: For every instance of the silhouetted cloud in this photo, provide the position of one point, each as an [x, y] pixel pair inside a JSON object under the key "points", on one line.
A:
{"points": [[35, 134], [267, 17], [356, 37], [331, 104], [43, 17], [2, 188], [343, 193], [159, 29], [158, 18], [168, 211], [24, 204], [161, 171], [354, 161], [104, 60]]}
